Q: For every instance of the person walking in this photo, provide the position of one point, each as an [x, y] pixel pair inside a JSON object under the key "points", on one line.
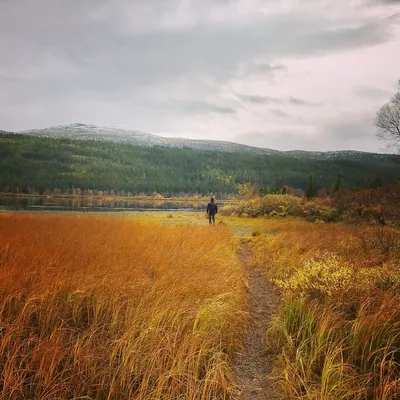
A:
{"points": [[212, 209]]}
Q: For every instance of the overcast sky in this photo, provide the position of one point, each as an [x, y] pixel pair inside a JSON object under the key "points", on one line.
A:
{"points": [[290, 74]]}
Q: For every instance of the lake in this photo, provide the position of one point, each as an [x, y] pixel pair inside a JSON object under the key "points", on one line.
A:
{"points": [[94, 205]]}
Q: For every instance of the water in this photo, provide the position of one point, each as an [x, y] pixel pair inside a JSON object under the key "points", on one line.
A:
{"points": [[92, 204]]}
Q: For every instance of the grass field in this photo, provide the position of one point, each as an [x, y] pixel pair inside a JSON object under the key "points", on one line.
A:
{"points": [[154, 306], [110, 308]]}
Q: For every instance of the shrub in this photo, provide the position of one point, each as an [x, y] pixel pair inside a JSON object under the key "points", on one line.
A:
{"points": [[269, 205], [379, 206], [326, 276]]}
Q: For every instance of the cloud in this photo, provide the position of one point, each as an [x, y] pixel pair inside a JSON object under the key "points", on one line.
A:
{"points": [[278, 113], [225, 63], [372, 92], [273, 139], [301, 102], [200, 107], [266, 68], [126, 43], [350, 131], [296, 101], [254, 99], [259, 69]]}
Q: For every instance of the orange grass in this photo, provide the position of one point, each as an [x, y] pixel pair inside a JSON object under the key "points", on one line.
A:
{"points": [[337, 334], [103, 308]]}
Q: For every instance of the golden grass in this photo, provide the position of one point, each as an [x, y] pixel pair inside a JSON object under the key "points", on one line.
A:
{"points": [[337, 334], [104, 308]]}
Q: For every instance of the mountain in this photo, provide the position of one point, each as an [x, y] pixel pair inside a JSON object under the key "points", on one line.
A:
{"points": [[80, 131], [32, 164]]}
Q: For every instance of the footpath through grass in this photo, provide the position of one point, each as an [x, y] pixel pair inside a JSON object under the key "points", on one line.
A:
{"points": [[110, 308]]}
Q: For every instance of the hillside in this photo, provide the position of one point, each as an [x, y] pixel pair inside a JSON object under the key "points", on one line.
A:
{"points": [[34, 165], [80, 131]]}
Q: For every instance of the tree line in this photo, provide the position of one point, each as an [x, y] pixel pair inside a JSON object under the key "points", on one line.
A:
{"points": [[35, 165]]}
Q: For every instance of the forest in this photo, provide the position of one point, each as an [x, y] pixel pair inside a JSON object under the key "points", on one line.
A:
{"points": [[34, 165]]}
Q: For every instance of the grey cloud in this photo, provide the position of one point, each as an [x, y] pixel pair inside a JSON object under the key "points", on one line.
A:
{"points": [[330, 136], [200, 107], [254, 99], [105, 62], [279, 113], [352, 127], [278, 139], [263, 68], [301, 102], [395, 18], [372, 92], [345, 38], [104, 52], [350, 131]]}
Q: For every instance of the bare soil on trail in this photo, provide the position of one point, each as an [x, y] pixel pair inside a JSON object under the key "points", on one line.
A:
{"points": [[254, 364]]}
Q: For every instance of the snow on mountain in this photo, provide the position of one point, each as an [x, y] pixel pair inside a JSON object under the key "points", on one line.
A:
{"points": [[79, 131]]}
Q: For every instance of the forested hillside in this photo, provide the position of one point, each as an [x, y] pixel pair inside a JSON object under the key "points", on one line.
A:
{"points": [[36, 165]]}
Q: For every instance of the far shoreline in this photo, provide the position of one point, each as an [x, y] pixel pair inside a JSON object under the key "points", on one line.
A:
{"points": [[115, 198]]}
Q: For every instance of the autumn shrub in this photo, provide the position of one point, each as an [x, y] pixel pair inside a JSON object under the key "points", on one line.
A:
{"points": [[107, 308], [269, 205], [378, 206], [319, 278], [283, 206]]}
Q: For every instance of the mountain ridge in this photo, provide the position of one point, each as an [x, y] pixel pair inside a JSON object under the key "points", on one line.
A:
{"points": [[32, 164], [81, 131]]}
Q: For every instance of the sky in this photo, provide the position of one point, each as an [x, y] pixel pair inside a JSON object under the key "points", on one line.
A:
{"points": [[281, 74]]}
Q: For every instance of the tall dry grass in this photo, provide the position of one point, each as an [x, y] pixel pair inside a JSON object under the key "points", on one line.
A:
{"points": [[337, 334], [103, 308]]}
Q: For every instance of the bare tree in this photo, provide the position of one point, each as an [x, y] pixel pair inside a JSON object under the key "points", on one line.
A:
{"points": [[388, 120]]}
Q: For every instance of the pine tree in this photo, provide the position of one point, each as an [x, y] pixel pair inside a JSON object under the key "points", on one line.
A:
{"points": [[311, 189], [376, 183], [338, 185]]}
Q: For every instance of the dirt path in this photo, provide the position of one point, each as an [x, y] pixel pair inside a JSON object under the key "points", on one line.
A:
{"points": [[254, 365]]}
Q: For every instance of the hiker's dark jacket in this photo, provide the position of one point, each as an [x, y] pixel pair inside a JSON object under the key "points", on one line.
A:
{"points": [[212, 209]]}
